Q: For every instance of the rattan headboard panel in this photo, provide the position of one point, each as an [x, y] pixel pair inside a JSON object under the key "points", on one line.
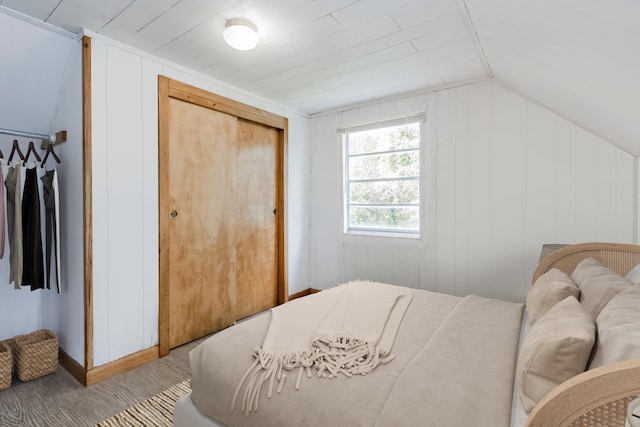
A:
{"points": [[619, 257]]}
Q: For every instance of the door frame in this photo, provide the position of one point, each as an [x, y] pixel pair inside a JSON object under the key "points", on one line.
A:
{"points": [[169, 88]]}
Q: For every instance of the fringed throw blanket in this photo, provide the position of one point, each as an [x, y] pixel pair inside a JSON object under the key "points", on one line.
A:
{"points": [[347, 330]]}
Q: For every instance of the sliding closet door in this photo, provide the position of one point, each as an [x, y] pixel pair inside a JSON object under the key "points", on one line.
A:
{"points": [[201, 225], [256, 210], [221, 203]]}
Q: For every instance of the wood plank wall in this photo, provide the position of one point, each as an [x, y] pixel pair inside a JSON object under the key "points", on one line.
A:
{"points": [[125, 199], [503, 176]]}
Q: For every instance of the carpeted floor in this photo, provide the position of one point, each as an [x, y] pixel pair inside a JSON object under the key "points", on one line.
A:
{"points": [[58, 400], [156, 411]]}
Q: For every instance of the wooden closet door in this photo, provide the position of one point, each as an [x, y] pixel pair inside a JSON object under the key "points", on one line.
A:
{"points": [[256, 234], [222, 256], [202, 221]]}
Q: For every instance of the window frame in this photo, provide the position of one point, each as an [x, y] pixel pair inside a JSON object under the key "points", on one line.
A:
{"points": [[344, 131]]}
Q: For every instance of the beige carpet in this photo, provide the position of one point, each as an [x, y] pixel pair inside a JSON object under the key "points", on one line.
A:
{"points": [[155, 411]]}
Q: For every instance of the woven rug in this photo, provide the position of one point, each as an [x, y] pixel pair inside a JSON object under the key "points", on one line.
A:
{"points": [[156, 411]]}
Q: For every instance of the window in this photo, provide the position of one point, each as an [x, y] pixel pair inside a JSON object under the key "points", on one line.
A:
{"points": [[382, 177]]}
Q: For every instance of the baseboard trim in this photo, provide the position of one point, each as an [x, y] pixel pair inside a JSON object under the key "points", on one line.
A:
{"points": [[127, 363], [72, 366], [303, 293], [122, 365]]}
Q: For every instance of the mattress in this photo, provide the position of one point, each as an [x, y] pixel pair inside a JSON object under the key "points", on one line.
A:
{"points": [[518, 415], [185, 414], [454, 365]]}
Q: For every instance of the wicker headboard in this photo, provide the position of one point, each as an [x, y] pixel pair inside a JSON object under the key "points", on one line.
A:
{"points": [[596, 398], [600, 396], [619, 257]]}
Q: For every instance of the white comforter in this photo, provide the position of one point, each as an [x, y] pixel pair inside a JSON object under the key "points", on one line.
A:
{"points": [[454, 366]]}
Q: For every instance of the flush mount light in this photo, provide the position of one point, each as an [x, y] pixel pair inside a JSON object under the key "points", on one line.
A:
{"points": [[240, 33]]}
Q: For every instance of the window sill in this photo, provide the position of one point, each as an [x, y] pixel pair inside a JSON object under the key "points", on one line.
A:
{"points": [[388, 234]]}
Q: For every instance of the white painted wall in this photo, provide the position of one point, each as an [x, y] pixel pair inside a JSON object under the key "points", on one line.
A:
{"points": [[125, 194], [502, 176], [64, 313], [41, 93]]}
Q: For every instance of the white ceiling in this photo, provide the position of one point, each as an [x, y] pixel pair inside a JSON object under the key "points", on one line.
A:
{"points": [[580, 58]]}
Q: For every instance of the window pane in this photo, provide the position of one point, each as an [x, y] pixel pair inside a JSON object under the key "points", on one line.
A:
{"points": [[385, 192], [383, 178], [390, 165], [386, 218], [385, 139]]}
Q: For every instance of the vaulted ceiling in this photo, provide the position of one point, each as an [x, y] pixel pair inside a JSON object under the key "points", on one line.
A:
{"points": [[579, 58]]}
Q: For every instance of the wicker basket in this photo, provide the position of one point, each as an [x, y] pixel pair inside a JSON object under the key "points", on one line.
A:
{"points": [[5, 366], [36, 354]]}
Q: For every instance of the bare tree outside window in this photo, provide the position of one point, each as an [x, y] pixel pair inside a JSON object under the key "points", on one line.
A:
{"points": [[382, 179]]}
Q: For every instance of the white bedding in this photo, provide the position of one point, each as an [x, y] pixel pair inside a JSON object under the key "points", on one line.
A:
{"points": [[518, 416], [454, 366], [187, 415]]}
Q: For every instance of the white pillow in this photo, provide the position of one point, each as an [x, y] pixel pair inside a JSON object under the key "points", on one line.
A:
{"points": [[548, 290], [597, 284], [557, 348], [618, 328], [634, 275]]}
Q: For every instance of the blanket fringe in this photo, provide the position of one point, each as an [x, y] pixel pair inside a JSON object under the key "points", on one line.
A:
{"points": [[330, 357]]}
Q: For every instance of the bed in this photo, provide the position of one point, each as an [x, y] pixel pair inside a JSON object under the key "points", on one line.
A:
{"points": [[455, 363]]}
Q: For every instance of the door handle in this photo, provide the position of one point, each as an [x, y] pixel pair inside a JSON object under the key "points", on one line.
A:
{"points": [[173, 214], [275, 211]]}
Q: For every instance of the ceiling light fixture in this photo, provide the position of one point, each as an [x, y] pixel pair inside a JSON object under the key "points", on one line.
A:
{"points": [[240, 33]]}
